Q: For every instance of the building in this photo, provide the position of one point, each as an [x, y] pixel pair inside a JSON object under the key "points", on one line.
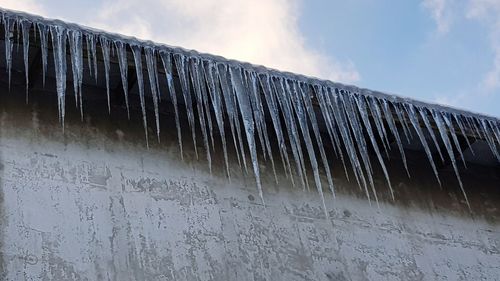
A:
{"points": [[123, 159]]}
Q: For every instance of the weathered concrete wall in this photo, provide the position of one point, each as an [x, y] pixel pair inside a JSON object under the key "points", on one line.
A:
{"points": [[95, 204]]}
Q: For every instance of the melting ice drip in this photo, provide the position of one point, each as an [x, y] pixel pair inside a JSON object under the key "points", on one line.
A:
{"points": [[246, 95]]}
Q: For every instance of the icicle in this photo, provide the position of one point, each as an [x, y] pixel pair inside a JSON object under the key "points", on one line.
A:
{"points": [[341, 118], [376, 114], [438, 119], [194, 71], [123, 65], [489, 139], [59, 45], [42, 29], [9, 44], [414, 120], [88, 42], [25, 28], [270, 98], [180, 63], [215, 96], [258, 109], [462, 130], [286, 109], [395, 133], [137, 52], [402, 120], [93, 49], [364, 116], [331, 126], [167, 65], [76, 50], [105, 45], [248, 122], [300, 112], [306, 99], [153, 82], [234, 122], [423, 115], [453, 133], [349, 106]]}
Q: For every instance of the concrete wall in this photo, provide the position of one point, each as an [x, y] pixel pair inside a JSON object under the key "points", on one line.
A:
{"points": [[95, 204]]}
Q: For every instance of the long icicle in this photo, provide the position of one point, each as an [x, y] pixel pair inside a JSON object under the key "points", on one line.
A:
{"points": [[137, 52], [167, 66], [25, 28], [121, 51], [151, 65]]}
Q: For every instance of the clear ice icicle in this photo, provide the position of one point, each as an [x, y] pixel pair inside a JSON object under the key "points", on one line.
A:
{"points": [[25, 28], [414, 121], [427, 123], [180, 64], [151, 65], [75, 42], [438, 119], [215, 96], [194, 71], [42, 29], [59, 45], [137, 52], [248, 122], [123, 65], [105, 46], [8, 24], [167, 65]]}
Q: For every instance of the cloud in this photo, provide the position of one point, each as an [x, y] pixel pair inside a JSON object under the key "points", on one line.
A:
{"points": [[440, 12], [259, 31], [30, 6], [487, 12]]}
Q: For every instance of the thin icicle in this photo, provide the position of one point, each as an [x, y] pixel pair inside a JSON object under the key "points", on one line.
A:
{"points": [[438, 119], [427, 123], [453, 133], [93, 52], [349, 106], [300, 112], [123, 65], [76, 50], [273, 111], [258, 110], [231, 108], [195, 74], [215, 96], [180, 64], [306, 99], [362, 108], [395, 132], [414, 120], [105, 46], [25, 28], [248, 122], [376, 114], [461, 126], [331, 126], [137, 52], [59, 45], [42, 29], [167, 65], [152, 67], [286, 109], [8, 24]]}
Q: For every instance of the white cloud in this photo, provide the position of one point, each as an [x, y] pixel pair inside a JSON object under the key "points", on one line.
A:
{"points": [[30, 6], [440, 12], [259, 31], [487, 12]]}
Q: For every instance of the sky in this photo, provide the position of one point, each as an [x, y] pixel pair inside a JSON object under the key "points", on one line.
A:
{"points": [[439, 51]]}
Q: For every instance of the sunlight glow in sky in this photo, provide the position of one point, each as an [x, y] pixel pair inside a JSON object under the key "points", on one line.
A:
{"points": [[444, 51]]}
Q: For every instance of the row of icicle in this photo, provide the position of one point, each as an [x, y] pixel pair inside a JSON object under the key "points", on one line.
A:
{"points": [[242, 94]]}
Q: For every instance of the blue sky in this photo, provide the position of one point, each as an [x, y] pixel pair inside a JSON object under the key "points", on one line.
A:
{"points": [[445, 51]]}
